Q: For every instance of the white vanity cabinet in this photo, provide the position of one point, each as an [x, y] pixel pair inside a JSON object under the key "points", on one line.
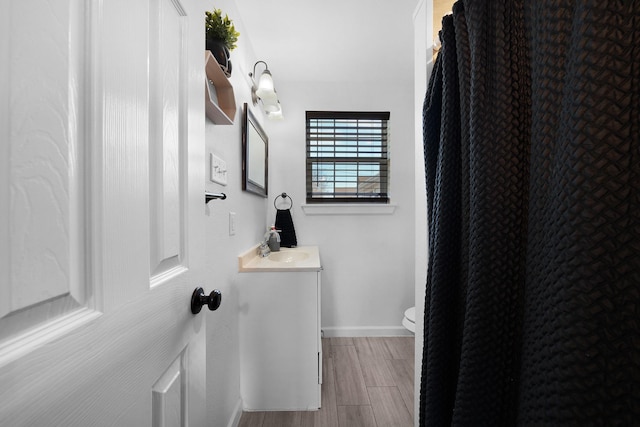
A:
{"points": [[280, 347]]}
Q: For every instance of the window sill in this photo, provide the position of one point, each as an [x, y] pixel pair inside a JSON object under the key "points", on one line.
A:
{"points": [[348, 209]]}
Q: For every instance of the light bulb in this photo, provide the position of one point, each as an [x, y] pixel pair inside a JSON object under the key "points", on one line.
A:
{"points": [[265, 86]]}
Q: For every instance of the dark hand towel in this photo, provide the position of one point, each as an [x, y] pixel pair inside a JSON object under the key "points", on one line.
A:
{"points": [[284, 224]]}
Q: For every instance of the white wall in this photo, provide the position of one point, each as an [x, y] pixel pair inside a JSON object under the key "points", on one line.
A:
{"points": [[368, 260], [423, 32], [223, 370]]}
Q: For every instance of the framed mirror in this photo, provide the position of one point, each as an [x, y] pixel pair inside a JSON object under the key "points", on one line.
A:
{"points": [[255, 149]]}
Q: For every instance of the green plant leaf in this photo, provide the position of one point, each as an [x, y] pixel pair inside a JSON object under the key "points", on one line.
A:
{"points": [[220, 28]]}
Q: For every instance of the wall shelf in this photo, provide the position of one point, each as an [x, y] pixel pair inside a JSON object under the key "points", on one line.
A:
{"points": [[220, 101]]}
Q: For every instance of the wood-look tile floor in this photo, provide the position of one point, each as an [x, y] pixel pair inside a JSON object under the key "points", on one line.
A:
{"points": [[367, 382]]}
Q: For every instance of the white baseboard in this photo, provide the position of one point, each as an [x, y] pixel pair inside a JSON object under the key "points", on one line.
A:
{"points": [[365, 331], [237, 413]]}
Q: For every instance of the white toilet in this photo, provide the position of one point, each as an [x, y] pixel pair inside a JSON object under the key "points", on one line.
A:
{"points": [[409, 320]]}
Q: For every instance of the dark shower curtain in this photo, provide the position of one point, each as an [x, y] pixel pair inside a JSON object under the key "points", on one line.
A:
{"points": [[532, 159]]}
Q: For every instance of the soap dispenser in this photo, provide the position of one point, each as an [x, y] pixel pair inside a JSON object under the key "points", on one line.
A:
{"points": [[274, 239]]}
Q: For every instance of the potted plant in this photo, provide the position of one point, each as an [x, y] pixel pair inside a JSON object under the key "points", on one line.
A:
{"points": [[221, 38]]}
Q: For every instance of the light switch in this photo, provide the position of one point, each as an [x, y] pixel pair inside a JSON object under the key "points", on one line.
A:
{"points": [[232, 223], [218, 169]]}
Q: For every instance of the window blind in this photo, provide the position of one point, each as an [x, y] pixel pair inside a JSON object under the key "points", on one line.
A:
{"points": [[347, 157]]}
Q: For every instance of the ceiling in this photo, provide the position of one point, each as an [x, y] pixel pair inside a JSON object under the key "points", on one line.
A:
{"points": [[332, 40]]}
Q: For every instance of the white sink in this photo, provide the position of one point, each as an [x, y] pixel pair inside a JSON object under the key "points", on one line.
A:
{"points": [[300, 258], [288, 256]]}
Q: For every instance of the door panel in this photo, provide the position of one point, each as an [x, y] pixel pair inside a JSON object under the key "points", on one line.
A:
{"points": [[42, 284], [167, 133], [167, 398], [104, 207]]}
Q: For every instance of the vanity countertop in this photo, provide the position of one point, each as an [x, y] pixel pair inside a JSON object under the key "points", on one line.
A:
{"points": [[301, 258]]}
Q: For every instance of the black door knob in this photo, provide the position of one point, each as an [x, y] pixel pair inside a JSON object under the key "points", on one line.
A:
{"points": [[198, 299]]}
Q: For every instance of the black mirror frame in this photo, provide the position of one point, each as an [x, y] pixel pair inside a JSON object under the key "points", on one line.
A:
{"points": [[248, 119]]}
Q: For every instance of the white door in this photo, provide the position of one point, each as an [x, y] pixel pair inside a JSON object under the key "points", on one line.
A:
{"points": [[101, 213]]}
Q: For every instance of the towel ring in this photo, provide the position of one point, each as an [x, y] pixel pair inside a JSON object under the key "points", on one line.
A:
{"points": [[283, 195]]}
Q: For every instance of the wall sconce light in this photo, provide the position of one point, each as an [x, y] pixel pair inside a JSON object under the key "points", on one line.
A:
{"points": [[265, 92]]}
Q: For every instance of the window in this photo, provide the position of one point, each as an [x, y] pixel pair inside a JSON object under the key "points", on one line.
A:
{"points": [[347, 157]]}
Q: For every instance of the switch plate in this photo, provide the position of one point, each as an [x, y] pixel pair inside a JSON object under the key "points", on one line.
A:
{"points": [[232, 223], [218, 169]]}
